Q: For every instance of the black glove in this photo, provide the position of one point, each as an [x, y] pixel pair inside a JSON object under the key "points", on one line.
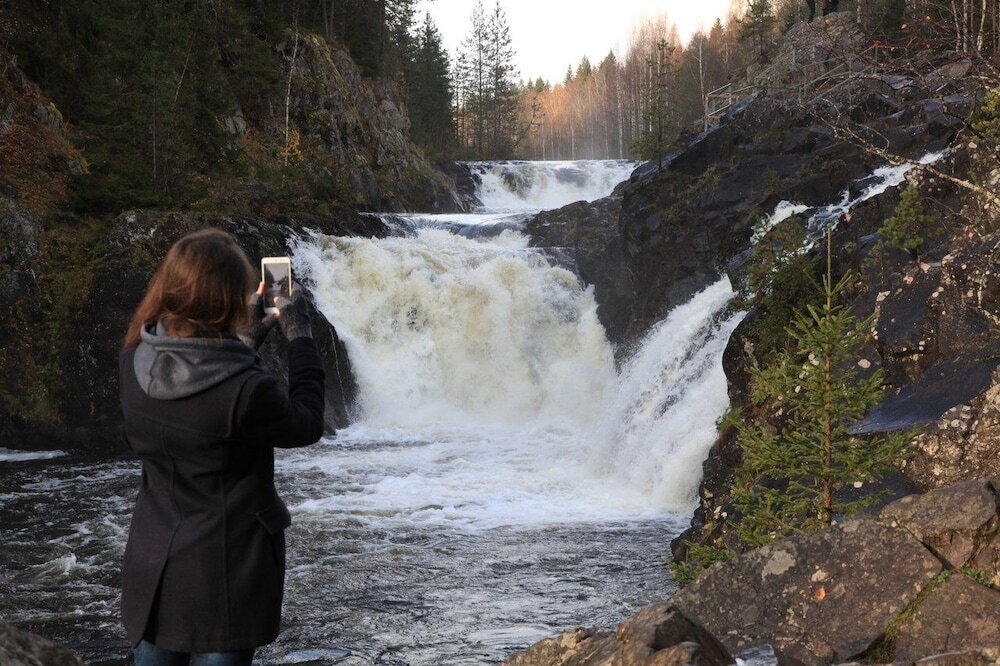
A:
{"points": [[255, 330], [293, 314]]}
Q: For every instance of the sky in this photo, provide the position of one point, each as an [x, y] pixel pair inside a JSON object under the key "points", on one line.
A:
{"points": [[550, 35]]}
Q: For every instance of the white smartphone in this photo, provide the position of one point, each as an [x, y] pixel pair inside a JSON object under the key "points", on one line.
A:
{"points": [[277, 272]]}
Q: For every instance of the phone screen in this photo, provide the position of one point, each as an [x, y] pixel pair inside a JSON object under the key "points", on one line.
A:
{"points": [[277, 281]]}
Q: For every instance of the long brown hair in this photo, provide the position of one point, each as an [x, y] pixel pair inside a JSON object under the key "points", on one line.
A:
{"points": [[201, 288]]}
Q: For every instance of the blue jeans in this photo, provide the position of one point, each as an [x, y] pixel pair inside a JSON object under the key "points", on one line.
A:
{"points": [[147, 654]]}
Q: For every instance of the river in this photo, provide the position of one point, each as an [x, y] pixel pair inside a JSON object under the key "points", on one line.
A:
{"points": [[502, 480]]}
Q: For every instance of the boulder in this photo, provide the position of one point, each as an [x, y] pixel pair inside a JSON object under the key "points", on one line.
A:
{"points": [[987, 560], [951, 521], [572, 647], [20, 648], [811, 597], [960, 614], [655, 636]]}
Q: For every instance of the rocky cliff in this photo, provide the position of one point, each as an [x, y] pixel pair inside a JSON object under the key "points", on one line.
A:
{"points": [[69, 279], [916, 583], [829, 152]]}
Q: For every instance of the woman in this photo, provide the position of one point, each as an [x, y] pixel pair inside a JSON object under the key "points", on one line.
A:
{"points": [[205, 562]]}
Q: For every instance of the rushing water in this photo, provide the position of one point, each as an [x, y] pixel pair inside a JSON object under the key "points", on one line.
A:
{"points": [[502, 481]]}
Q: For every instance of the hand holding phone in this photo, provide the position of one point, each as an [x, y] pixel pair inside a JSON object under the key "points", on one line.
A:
{"points": [[277, 272]]}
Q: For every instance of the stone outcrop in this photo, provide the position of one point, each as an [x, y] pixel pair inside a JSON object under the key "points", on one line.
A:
{"points": [[812, 597], [354, 133], [653, 637], [952, 521], [905, 586], [960, 614], [585, 237], [20, 648]]}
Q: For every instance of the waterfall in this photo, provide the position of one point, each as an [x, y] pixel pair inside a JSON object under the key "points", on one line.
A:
{"points": [[519, 186], [485, 370], [660, 421], [445, 329]]}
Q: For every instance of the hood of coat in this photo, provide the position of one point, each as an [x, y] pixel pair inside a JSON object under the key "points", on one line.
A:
{"points": [[169, 368]]}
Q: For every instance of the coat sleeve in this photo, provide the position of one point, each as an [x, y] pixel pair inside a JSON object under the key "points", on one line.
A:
{"points": [[269, 416]]}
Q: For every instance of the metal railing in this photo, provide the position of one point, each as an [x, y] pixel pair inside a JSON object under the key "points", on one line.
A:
{"points": [[813, 78]]}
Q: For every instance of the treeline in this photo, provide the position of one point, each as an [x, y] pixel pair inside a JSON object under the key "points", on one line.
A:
{"points": [[151, 86], [614, 109], [634, 104]]}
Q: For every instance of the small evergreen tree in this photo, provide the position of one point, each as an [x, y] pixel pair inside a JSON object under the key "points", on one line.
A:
{"points": [[902, 229], [757, 24], [791, 477], [654, 142]]}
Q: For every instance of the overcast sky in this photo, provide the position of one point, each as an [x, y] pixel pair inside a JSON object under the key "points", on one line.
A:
{"points": [[549, 35]]}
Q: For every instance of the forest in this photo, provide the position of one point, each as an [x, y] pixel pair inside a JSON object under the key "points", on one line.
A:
{"points": [[612, 109], [142, 82]]}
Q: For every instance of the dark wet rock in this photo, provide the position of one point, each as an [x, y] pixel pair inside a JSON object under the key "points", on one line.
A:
{"points": [[811, 597], [949, 383], [958, 615], [466, 181], [586, 237], [951, 521], [20, 648], [905, 325], [20, 242], [20, 235], [656, 636]]}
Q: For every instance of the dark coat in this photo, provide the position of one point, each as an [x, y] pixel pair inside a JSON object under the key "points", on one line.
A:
{"points": [[205, 561]]}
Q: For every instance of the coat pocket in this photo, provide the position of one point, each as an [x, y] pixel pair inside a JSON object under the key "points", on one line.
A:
{"points": [[275, 518]]}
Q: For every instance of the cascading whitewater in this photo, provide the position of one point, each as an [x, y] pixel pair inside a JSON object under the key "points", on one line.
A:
{"points": [[444, 329], [520, 186], [661, 420], [875, 184], [475, 342]]}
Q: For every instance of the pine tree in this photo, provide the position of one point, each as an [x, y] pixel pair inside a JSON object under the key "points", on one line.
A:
{"points": [[473, 76], [486, 80], [429, 90], [792, 476], [757, 24], [503, 102], [902, 230], [654, 142]]}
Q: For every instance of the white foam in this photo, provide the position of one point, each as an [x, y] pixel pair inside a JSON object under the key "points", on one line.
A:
{"points": [[533, 186], [661, 422], [12, 455], [881, 180], [783, 211], [488, 394], [442, 329]]}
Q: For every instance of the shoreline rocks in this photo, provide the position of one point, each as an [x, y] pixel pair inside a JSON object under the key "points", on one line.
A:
{"points": [[21, 648], [904, 586]]}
